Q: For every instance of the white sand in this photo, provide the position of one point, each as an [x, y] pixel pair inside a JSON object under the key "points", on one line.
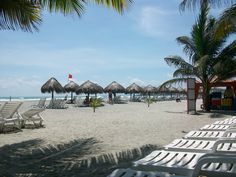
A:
{"points": [[116, 127]]}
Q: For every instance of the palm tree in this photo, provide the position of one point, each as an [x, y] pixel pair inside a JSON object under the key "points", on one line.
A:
{"points": [[227, 20], [26, 14], [211, 59], [191, 4]]}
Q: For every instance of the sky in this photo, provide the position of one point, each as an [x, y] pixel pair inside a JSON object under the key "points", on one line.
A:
{"points": [[101, 46]]}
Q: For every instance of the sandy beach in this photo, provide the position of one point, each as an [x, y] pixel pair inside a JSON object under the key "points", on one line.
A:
{"points": [[111, 129]]}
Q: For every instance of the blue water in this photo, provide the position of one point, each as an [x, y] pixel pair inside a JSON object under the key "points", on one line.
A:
{"points": [[32, 98]]}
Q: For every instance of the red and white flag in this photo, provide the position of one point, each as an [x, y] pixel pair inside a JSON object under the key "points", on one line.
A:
{"points": [[70, 77]]}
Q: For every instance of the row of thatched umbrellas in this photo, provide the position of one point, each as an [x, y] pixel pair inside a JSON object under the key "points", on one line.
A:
{"points": [[88, 87]]}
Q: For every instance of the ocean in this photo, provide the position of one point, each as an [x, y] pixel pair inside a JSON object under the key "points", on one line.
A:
{"points": [[48, 97]]}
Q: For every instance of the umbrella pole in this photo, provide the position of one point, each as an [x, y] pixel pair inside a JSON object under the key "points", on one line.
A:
{"points": [[148, 99], [71, 97], [52, 95]]}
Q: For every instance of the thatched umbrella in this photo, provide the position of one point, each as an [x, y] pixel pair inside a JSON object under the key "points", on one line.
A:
{"points": [[134, 88], [149, 89], [71, 87], [163, 89], [182, 90], [51, 86], [173, 90], [114, 87], [89, 87]]}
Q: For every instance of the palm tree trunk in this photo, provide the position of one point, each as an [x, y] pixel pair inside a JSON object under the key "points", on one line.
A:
{"points": [[206, 97]]}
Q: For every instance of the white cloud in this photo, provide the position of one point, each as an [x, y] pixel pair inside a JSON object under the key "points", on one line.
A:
{"points": [[155, 22], [20, 86], [74, 60], [137, 81]]}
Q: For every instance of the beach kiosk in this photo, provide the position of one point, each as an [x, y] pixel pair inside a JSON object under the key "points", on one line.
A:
{"points": [[217, 101]]}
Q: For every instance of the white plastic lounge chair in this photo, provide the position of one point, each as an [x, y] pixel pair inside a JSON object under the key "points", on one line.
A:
{"points": [[133, 173], [181, 163], [213, 164], [226, 121], [204, 146], [215, 127], [41, 103], [32, 115], [9, 116], [57, 104], [211, 135]]}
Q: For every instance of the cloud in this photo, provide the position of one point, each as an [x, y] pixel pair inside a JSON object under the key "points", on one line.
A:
{"points": [[73, 60], [19, 86], [137, 81], [155, 22]]}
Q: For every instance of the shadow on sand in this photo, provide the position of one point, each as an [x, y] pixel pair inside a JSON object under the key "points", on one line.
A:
{"points": [[28, 159], [218, 113]]}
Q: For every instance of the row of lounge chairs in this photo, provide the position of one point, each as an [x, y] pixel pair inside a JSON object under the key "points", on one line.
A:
{"points": [[11, 118], [53, 104], [210, 151]]}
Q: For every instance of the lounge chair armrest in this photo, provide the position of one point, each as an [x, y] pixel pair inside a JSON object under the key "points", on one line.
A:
{"points": [[230, 130], [213, 158], [233, 125], [221, 141]]}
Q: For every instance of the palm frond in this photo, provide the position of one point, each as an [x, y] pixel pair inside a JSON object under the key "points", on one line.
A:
{"points": [[199, 32], [118, 5], [184, 72], [226, 23], [228, 52], [66, 7], [178, 62], [193, 4], [19, 14], [173, 81], [189, 47], [225, 69]]}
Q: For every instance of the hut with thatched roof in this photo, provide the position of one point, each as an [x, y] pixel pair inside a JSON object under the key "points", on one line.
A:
{"points": [[132, 89], [89, 87], [113, 88], [51, 86], [70, 88]]}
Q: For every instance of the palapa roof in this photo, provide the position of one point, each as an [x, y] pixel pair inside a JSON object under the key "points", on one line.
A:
{"points": [[134, 88], [89, 87], [162, 89], [149, 89], [52, 85], [173, 90], [71, 87], [115, 88]]}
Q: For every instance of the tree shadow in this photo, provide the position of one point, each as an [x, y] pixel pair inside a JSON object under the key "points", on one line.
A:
{"points": [[74, 158], [218, 113]]}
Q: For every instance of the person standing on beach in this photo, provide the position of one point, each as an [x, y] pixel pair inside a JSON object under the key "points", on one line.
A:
{"points": [[110, 97]]}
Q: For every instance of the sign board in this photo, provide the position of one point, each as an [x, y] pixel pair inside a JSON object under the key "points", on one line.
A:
{"points": [[191, 100]]}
